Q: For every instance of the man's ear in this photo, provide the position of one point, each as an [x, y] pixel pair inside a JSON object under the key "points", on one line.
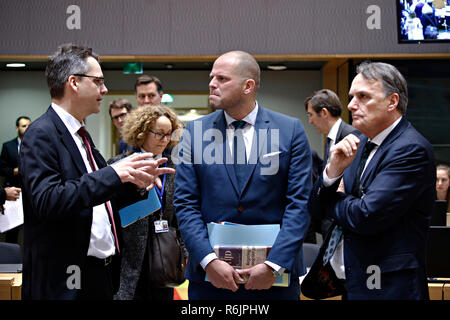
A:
{"points": [[249, 86], [324, 113], [393, 101], [72, 83]]}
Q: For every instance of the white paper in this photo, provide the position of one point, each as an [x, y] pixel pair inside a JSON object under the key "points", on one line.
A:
{"points": [[13, 215]]}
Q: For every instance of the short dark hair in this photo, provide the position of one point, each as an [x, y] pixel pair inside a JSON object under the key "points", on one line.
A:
{"points": [[20, 118], [119, 104], [327, 99], [391, 79], [67, 60], [145, 79]]}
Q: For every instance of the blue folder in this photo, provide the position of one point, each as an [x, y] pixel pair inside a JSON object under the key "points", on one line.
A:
{"points": [[239, 234], [140, 209]]}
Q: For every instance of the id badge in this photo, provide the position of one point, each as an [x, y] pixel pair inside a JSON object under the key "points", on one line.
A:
{"points": [[161, 226]]}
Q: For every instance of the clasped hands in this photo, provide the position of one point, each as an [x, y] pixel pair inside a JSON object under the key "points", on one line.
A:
{"points": [[224, 276], [141, 170]]}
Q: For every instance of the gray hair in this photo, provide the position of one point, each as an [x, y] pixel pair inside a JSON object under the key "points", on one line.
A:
{"points": [[391, 79], [67, 60]]}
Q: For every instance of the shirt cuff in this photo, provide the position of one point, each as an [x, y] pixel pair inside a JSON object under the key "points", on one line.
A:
{"points": [[210, 257], [328, 181], [275, 267]]}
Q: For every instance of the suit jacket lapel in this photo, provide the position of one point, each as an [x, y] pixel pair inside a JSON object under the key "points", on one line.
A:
{"points": [[220, 124], [382, 148], [259, 141], [350, 173], [67, 140]]}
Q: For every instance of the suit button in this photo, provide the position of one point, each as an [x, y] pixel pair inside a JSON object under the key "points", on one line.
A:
{"points": [[240, 208]]}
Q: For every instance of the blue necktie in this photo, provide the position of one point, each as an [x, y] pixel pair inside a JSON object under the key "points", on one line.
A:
{"points": [[337, 231], [239, 154]]}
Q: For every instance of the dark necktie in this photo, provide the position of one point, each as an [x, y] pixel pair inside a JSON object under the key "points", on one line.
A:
{"points": [[337, 231], [365, 155], [327, 151], [84, 135], [239, 154]]}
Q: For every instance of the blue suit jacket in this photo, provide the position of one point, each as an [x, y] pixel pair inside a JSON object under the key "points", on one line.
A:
{"points": [[58, 197], [209, 192], [386, 225]]}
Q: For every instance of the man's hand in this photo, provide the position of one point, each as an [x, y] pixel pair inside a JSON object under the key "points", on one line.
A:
{"points": [[222, 275], [141, 170], [12, 193], [260, 277], [342, 155]]}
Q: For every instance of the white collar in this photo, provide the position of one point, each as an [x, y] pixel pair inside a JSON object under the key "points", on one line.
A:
{"points": [[379, 138], [334, 130], [72, 124], [250, 118]]}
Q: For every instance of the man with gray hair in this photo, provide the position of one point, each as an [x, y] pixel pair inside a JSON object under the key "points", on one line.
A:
{"points": [[382, 208]]}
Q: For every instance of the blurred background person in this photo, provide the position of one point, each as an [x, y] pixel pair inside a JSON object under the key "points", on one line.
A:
{"points": [[147, 128], [118, 110], [148, 90], [442, 182], [9, 169]]}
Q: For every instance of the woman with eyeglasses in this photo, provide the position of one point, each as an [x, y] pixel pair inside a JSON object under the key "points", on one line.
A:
{"points": [[148, 129]]}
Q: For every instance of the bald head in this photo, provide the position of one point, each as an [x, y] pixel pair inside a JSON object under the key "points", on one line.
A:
{"points": [[245, 65]]}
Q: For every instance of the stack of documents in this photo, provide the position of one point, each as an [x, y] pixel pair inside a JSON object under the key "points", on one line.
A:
{"points": [[243, 246]]}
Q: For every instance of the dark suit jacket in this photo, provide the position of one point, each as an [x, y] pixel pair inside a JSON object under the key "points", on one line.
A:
{"points": [[9, 159], [386, 226], [209, 192], [58, 199]]}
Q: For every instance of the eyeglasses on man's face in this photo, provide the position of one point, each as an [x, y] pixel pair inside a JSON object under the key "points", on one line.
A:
{"points": [[99, 81], [161, 136], [122, 115]]}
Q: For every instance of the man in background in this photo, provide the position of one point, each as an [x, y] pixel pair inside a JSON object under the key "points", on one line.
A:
{"points": [[148, 90], [9, 158], [118, 110], [324, 109], [9, 168]]}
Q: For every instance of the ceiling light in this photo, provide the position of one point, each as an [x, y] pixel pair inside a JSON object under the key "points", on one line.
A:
{"points": [[276, 67], [15, 65]]}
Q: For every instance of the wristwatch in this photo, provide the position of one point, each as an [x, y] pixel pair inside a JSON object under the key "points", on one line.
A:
{"points": [[275, 273]]}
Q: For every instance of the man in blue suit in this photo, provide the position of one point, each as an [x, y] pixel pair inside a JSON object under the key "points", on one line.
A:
{"points": [[269, 183], [71, 197], [384, 204]]}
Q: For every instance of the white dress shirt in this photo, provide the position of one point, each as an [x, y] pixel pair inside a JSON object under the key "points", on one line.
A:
{"points": [[101, 244], [337, 260], [247, 132]]}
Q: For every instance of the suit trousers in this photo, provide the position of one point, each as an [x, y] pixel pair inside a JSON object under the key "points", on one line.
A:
{"points": [[96, 280], [206, 291]]}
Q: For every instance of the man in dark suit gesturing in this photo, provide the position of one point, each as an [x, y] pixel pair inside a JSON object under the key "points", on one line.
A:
{"points": [[72, 231], [268, 183], [382, 210]]}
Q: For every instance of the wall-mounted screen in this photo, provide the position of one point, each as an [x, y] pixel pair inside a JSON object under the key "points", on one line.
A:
{"points": [[423, 21]]}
